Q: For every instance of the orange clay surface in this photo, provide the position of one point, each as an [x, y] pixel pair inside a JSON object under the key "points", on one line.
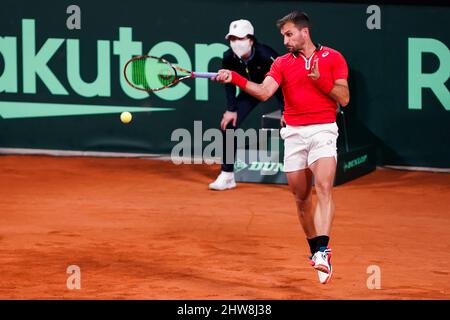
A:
{"points": [[148, 229]]}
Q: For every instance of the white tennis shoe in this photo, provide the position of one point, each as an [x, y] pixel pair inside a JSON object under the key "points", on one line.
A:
{"points": [[224, 181], [321, 261]]}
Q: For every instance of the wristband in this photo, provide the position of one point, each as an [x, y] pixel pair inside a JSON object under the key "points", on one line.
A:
{"points": [[238, 80], [325, 84]]}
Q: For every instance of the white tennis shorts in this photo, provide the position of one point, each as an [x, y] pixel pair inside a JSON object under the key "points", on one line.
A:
{"points": [[303, 145]]}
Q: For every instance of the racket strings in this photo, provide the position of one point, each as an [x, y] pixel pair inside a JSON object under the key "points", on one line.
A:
{"points": [[166, 76], [151, 74], [138, 77]]}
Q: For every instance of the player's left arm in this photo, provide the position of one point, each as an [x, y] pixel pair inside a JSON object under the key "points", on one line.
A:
{"points": [[335, 87], [340, 92]]}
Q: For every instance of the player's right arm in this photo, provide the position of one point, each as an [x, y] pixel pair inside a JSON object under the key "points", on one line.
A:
{"points": [[261, 91]]}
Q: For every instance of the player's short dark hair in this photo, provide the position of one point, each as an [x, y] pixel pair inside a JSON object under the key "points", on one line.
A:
{"points": [[298, 18]]}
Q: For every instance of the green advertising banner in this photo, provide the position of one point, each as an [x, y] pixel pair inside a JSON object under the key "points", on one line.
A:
{"points": [[61, 83]]}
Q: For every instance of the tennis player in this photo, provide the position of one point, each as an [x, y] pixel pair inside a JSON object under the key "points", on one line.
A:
{"points": [[314, 81]]}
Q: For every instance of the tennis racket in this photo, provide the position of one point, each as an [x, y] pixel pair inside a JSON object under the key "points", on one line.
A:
{"points": [[149, 73]]}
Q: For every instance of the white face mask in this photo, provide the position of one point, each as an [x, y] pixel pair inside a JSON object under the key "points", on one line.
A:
{"points": [[241, 47]]}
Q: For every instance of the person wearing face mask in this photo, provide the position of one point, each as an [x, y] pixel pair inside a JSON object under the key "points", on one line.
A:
{"points": [[252, 60]]}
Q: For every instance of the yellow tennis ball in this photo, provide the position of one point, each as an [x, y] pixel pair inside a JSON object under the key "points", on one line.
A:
{"points": [[126, 117]]}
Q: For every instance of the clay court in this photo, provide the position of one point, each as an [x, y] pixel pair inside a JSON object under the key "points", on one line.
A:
{"points": [[148, 229]]}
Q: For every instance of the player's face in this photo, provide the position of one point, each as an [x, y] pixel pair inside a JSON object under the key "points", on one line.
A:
{"points": [[294, 39]]}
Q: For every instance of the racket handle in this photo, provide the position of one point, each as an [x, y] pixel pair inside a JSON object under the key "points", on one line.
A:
{"points": [[204, 74]]}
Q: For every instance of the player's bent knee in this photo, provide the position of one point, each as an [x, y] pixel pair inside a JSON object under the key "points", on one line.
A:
{"points": [[303, 195], [302, 199]]}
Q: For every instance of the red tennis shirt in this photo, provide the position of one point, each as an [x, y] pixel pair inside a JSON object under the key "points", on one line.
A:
{"points": [[304, 103]]}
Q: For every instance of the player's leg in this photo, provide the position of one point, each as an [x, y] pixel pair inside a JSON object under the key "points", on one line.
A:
{"points": [[300, 179], [322, 159], [300, 184], [324, 170]]}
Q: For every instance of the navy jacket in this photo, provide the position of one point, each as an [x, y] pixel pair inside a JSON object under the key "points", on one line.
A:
{"points": [[255, 70]]}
